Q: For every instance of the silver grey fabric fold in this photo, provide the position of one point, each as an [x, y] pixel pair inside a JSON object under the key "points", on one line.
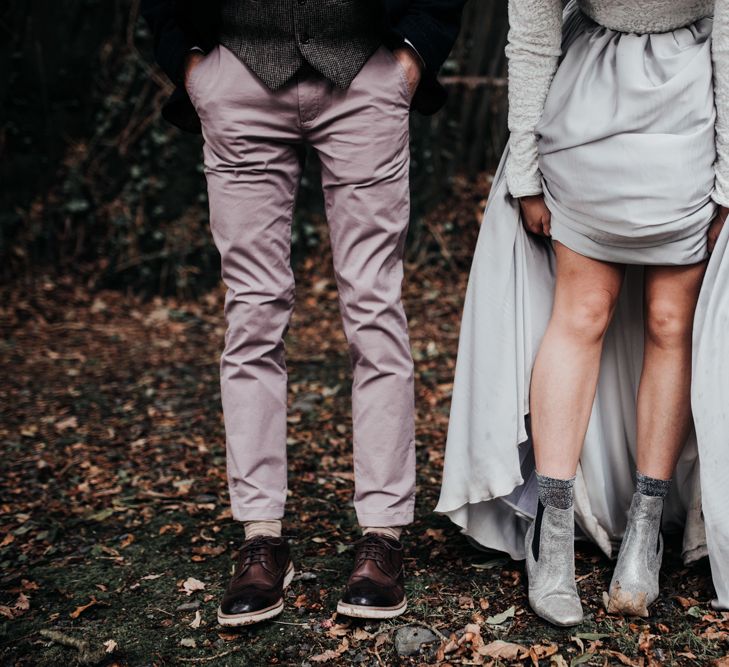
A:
{"points": [[489, 483], [627, 143]]}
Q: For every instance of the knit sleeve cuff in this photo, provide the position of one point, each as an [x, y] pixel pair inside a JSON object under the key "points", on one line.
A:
{"points": [[721, 190], [520, 181], [518, 190], [720, 200]]}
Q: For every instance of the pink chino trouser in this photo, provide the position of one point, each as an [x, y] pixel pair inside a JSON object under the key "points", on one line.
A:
{"points": [[253, 162]]}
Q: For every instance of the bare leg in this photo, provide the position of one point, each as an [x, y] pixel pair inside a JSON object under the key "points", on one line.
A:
{"points": [[664, 397], [564, 379], [664, 421], [563, 387]]}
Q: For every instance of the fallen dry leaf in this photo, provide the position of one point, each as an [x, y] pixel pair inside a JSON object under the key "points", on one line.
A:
{"points": [[504, 650], [622, 658], [686, 603], [80, 610], [325, 657], [337, 631], [360, 635], [22, 604], [67, 423], [331, 655], [176, 528], [466, 602], [498, 619], [209, 550], [540, 651], [300, 601], [190, 585], [128, 539], [436, 534]]}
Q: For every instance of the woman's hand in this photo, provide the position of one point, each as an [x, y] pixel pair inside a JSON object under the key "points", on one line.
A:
{"points": [[535, 215], [716, 226]]}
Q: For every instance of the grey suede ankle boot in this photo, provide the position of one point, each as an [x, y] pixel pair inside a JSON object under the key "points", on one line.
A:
{"points": [[550, 564], [635, 581]]}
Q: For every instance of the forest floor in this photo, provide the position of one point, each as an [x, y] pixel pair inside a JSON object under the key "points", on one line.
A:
{"points": [[116, 537]]}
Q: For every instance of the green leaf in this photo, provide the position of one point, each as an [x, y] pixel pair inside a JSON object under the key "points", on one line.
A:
{"points": [[489, 564], [581, 659], [103, 515], [504, 616], [591, 636]]}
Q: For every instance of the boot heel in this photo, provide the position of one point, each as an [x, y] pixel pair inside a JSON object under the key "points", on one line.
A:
{"points": [[634, 586]]}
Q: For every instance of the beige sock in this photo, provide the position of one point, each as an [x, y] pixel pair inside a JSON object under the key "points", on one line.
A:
{"points": [[392, 531], [265, 528]]}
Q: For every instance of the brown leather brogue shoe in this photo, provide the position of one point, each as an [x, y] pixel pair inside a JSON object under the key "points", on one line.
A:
{"points": [[376, 587], [255, 593]]}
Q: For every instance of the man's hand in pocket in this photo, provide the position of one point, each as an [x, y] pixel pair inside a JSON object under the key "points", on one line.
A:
{"points": [[193, 59], [412, 65]]}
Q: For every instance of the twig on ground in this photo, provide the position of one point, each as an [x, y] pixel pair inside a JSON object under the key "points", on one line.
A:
{"points": [[209, 658], [163, 611], [433, 629], [86, 654], [376, 653], [303, 625]]}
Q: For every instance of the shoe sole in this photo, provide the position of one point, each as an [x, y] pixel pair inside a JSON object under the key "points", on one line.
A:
{"points": [[250, 618], [364, 611], [626, 603]]}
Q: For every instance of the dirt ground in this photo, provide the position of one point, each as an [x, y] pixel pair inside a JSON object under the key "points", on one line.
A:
{"points": [[115, 532]]}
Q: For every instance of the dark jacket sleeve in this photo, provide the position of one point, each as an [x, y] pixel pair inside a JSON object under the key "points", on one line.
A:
{"points": [[432, 27], [171, 43]]}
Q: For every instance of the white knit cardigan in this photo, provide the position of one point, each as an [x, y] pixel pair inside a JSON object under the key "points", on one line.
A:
{"points": [[534, 49]]}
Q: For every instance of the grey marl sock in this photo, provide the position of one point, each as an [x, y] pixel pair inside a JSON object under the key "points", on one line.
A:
{"points": [[650, 486], [554, 492]]}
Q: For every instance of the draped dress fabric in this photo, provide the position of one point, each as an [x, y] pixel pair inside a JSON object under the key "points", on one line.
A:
{"points": [[626, 145]]}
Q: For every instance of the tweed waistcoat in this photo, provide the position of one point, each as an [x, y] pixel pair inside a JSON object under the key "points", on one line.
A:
{"points": [[276, 37]]}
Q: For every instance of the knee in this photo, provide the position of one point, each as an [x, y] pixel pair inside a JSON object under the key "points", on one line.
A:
{"points": [[257, 318], [258, 309], [587, 316], [378, 339], [667, 324]]}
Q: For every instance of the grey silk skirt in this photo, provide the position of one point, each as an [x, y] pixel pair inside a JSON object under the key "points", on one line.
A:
{"points": [[626, 151], [627, 143]]}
